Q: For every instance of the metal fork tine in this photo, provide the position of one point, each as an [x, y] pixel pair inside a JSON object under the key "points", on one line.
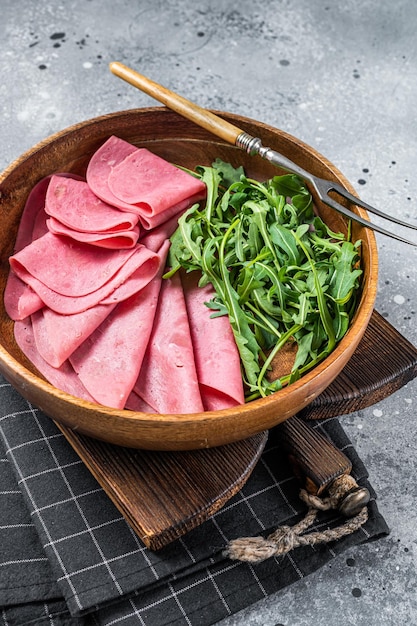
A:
{"points": [[345, 194], [360, 220], [253, 145]]}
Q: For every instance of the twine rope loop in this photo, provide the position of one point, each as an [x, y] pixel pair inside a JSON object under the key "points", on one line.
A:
{"points": [[286, 538]]}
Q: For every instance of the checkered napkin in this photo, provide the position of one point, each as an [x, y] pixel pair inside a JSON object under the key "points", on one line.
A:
{"points": [[68, 557]]}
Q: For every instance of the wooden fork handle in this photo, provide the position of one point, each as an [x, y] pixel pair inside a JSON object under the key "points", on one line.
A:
{"points": [[184, 107]]}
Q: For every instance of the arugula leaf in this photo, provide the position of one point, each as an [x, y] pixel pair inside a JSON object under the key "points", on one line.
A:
{"points": [[345, 276], [228, 173], [279, 273]]}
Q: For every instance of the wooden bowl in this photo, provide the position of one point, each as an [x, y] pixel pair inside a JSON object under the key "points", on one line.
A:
{"points": [[182, 142]]}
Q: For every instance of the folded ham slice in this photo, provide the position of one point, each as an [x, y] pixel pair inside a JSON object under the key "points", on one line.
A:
{"points": [[109, 360], [126, 239], [112, 152], [58, 336], [75, 211], [167, 381], [154, 238], [71, 279], [216, 355], [33, 207], [71, 270], [19, 299], [135, 403], [139, 181], [64, 377], [74, 204]]}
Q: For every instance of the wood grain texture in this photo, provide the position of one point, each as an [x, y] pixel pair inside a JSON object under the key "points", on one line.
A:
{"points": [[180, 141], [315, 460], [163, 495]]}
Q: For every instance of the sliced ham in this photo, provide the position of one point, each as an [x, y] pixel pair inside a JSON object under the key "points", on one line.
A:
{"points": [[40, 227], [133, 182], [135, 403], [168, 379], [114, 241], [64, 377], [58, 336], [71, 279], [112, 152], [218, 371], [19, 299], [154, 238], [74, 204], [34, 205], [33, 221], [108, 362], [92, 310], [140, 181], [69, 269]]}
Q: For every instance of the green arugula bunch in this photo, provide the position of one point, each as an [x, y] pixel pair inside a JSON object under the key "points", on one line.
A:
{"points": [[278, 271]]}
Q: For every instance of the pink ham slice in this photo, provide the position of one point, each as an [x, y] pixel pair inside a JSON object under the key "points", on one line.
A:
{"points": [[112, 152], [135, 403], [58, 336], [108, 362], [176, 190], [20, 295], [216, 354], [19, 299], [154, 238], [140, 181], [34, 205], [77, 212], [168, 379], [82, 275], [64, 377], [40, 227], [126, 239], [71, 270]]}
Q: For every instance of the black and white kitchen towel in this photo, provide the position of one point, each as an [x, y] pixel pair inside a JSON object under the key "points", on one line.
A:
{"points": [[69, 558]]}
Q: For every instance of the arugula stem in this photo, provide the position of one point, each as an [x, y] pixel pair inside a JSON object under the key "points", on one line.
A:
{"points": [[266, 324], [283, 340], [277, 270], [321, 299]]}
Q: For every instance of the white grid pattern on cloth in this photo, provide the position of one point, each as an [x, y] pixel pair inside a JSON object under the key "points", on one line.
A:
{"points": [[28, 493], [279, 484], [54, 543], [80, 510], [208, 578], [172, 594], [25, 574]]}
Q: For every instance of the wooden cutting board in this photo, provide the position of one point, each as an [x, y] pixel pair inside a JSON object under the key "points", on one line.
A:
{"points": [[163, 495]]}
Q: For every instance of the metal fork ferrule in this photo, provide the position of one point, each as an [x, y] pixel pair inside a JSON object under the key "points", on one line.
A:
{"points": [[250, 144]]}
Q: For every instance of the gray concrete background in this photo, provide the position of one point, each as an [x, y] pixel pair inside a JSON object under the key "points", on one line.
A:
{"points": [[341, 76]]}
